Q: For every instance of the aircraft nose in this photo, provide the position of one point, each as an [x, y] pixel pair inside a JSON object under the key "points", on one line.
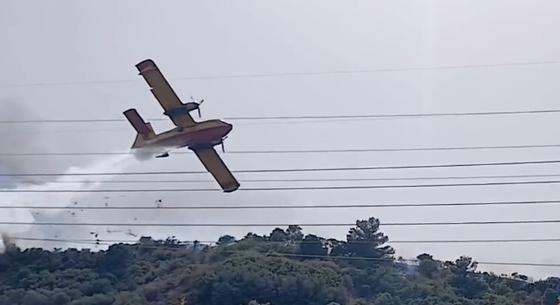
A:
{"points": [[226, 127]]}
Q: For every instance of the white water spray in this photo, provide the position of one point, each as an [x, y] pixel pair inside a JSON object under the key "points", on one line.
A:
{"points": [[73, 182]]}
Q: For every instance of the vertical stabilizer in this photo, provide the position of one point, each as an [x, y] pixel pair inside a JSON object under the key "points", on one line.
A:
{"points": [[144, 130]]}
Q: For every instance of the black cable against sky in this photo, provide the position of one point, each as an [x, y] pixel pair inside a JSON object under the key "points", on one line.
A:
{"points": [[408, 260], [434, 241], [302, 151], [180, 206], [291, 188], [135, 181], [290, 73], [392, 224], [326, 169], [303, 117]]}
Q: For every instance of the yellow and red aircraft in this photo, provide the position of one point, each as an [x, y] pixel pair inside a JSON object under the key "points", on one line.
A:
{"points": [[200, 137]]}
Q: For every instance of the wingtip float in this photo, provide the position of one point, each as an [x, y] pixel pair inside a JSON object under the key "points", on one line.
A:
{"points": [[200, 137]]}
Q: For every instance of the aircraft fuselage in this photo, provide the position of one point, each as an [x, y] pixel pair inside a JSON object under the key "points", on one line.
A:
{"points": [[202, 135]]}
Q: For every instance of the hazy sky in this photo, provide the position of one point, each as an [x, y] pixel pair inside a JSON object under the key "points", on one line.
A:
{"points": [[72, 41]]}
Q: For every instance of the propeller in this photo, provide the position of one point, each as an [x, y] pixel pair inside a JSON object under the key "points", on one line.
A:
{"points": [[197, 105], [223, 147]]}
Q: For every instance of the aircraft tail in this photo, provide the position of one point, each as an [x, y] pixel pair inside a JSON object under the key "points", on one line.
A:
{"points": [[144, 130]]}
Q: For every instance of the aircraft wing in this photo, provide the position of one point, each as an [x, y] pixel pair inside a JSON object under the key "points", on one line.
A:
{"points": [[164, 94], [214, 164]]}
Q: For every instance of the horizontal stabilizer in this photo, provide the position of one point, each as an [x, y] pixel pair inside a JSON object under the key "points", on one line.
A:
{"points": [[137, 122]]}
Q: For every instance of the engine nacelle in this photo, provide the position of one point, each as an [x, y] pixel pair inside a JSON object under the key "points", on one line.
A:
{"points": [[183, 109]]}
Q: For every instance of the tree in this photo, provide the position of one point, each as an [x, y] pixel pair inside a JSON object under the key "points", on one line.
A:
{"points": [[518, 276], [226, 240], [253, 302], [550, 297], [253, 237], [386, 299], [294, 233], [280, 281], [4, 263], [172, 242], [312, 245], [495, 299], [129, 298], [35, 298], [336, 247], [97, 299], [365, 240], [60, 298], [278, 235], [116, 260], [427, 266], [462, 265], [465, 278]]}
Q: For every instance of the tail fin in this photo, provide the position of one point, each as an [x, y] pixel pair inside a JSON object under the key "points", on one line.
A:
{"points": [[137, 122], [144, 130]]}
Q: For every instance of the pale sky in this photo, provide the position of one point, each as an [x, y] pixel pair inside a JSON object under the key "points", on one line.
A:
{"points": [[88, 41]]}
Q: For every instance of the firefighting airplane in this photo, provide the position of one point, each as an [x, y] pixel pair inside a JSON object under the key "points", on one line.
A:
{"points": [[200, 137]]}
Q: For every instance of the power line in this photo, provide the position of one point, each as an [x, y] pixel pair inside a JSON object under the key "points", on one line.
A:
{"points": [[391, 149], [293, 188], [407, 260], [381, 167], [475, 241], [444, 241], [517, 264], [314, 179], [410, 115], [295, 151], [99, 242], [74, 241], [279, 206], [305, 117], [287, 74], [355, 187], [406, 224]]}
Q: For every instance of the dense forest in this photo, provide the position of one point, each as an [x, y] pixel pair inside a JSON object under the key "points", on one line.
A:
{"points": [[286, 267]]}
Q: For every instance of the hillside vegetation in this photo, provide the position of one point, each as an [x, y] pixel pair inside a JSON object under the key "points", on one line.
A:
{"points": [[285, 267]]}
